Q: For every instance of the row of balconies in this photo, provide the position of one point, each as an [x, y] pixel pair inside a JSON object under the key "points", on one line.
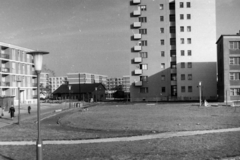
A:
{"points": [[5, 56], [7, 84]]}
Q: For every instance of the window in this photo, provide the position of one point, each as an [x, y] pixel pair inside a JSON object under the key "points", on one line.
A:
{"points": [[143, 54], [189, 88], [163, 77], [162, 65], [161, 30], [163, 89], [189, 53], [172, 29], [143, 19], [188, 16], [182, 53], [189, 77], [234, 60], [162, 53], [173, 53], [188, 4], [189, 40], [144, 90], [182, 77], [161, 18], [181, 16], [234, 91], [143, 31], [181, 4], [182, 40], [172, 17], [143, 66], [173, 77], [161, 6], [235, 45], [189, 28], [182, 65], [181, 29], [173, 65], [235, 76], [182, 88], [172, 41], [189, 64], [172, 6], [144, 78], [143, 43], [143, 7], [162, 42]]}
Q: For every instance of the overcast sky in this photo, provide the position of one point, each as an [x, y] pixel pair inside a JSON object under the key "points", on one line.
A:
{"points": [[85, 35]]}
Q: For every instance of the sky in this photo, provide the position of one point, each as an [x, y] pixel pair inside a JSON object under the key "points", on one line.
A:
{"points": [[85, 35]]}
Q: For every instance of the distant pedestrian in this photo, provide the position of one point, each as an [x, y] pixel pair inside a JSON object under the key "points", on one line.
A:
{"points": [[29, 109], [11, 111]]}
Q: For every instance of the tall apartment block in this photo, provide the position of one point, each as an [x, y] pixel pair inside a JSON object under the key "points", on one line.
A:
{"points": [[228, 53], [56, 82], [172, 49], [16, 65], [83, 78]]}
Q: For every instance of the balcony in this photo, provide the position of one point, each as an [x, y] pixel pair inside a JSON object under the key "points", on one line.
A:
{"points": [[137, 12], [137, 36], [5, 70], [137, 48], [138, 84], [136, 1], [137, 71], [173, 59], [4, 83], [137, 24], [137, 59], [5, 56]]}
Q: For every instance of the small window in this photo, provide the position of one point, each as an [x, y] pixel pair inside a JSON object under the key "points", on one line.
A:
{"points": [[173, 65], [181, 29], [144, 90], [143, 54], [182, 40], [188, 16], [161, 18], [189, 88], [163, 77], [173, 77], [172, 41], [181, 16], [182, 88], [143, 19], [188, 4], [172, 29], [162, 65], [189, 28], [181, 4], [189, 40], [182, 77], [172, 17], [189, 77], [161, 30], [162, 42], [143, 7], [161, 6], [172, 6], [143, 66], [143, 31], [163, 89], [189, 64], [143, 43], [182, 65], [182, 53], [189, 53], [162, 54]]}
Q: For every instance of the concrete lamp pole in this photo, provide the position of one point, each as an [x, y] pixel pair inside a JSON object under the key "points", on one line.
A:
{"points": [[38, 57], [69, 87], [19, 99], [200, 92]]}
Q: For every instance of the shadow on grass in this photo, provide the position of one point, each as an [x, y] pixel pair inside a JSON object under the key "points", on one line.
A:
{"points": [[5, 157]]}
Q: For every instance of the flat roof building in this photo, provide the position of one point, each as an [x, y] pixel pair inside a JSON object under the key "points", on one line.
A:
{"points": [[172, 49]]}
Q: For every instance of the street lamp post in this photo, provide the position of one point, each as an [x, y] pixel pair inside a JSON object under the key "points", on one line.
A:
{"points": [[38, 57], [200, 92], [69, 87], [19, 100]]}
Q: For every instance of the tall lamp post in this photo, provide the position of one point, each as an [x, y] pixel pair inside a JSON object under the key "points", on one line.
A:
{"points": [[19, 99], [38, 57], [69, 89], [200, 92]]}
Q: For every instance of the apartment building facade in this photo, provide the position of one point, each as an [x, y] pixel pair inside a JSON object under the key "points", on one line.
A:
{"points": [[17, 70], [86, 78], [172, 49], [228, 55], [56, 82]]}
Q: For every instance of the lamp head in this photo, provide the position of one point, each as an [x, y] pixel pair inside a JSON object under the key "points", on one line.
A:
{"points": [[37, 58]]}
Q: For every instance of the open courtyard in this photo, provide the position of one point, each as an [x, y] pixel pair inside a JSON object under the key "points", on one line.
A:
{"points": [[129, 120]]}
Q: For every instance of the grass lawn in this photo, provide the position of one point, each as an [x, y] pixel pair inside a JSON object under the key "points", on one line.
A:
{"points": [[202, 147]]}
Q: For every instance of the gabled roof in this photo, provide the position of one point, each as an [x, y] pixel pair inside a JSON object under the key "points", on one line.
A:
{"points": [[84, 88]]}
